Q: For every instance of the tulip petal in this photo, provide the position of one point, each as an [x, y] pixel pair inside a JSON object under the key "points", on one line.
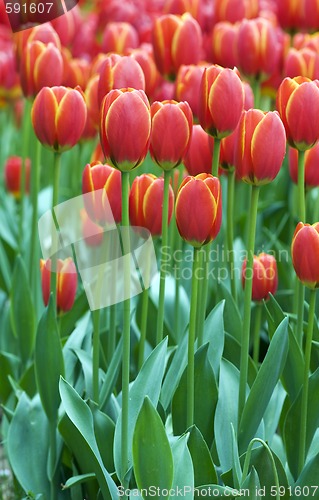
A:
{"points": [[305, 254], [71, 118], [43, 115]]}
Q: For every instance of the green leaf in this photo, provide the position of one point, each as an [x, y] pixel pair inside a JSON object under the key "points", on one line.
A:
{"points": [[292, 423], [5, 270], [183, 479], [264, 385], [28, 446], [104, 429], [174, 373], [69, 319], [214, 334], [147, 383], [86, 363], [49, 363], [73, 481], [252, 484], [205, 398], [226, 413], [22, 310], [232, 353], [111, 374], [152, 454], [80, 415], [215, 490], [9, 367], [232, 317], [307, 484], [204, 470]]}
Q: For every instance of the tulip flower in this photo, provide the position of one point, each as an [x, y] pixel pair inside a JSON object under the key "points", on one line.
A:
{"points": [[290, 14], [59, 117], [305, 253], [118, 37], [187, 85], [219, 87], [311, 14], [12, 175], [198, 209], [44, 33], [145, 57], [223, 44], [118, 72], [10, 88], [172, 124], [125, 128], [146, 202], [235, 10], [258, 48], [199, 156], [103, 182], [303, 62], [92, 232], [261, 146], [76, 70], [66, 283], [311, 166], [41, 66], [177, 40], [298, 105], [264, 276]]}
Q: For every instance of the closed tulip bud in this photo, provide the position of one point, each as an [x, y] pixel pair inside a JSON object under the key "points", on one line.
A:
{"points": [[219, 87], [199, 156], [311, 166], [223, 41], [227, 154], [101, 185], [198, 209], [118, 72], [235, 10], [10, 89], [187, 85], [41, 66], [76, 71], [59, 117], [91, 98], [264, 276], [44, 33], [118, 37], [298, 105], [12, 175], [92, 233], [305, 254], [146, 202], [177, 40], [261, 146], [311, 14], [125, 128], [258, 48], [144, 56], [66, 283], [303, 62], [172, 124], [290, 14]]}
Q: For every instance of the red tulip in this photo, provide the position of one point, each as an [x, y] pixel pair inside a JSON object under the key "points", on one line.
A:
{"points": [[177, 40], [41, 66], [76, 70], [125, 128], [118, 72], [298, 105], [303, 62], [223, 42], [199, 156], [103, 182], [92, 232], [311, 14], [12, 175], [290, 14], [146, 202], [311, 166], [187, 85], [91, 98], [172, 124], [10, 89], [235, 10], [118, 37], [305, 253], [220, 87], [258, 48], [198, 209], [59, 117], [264, 274], [66, 278], [145, 57], [261, 146], [44, 33]]}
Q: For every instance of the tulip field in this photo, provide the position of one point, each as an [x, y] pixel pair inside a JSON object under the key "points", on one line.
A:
{"points": [[159, 249]]}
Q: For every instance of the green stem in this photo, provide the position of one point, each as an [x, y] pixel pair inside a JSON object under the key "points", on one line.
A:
{"points": [[257, 92], [161, 300], [35, 187], [55, 198], [216, 157], [53, 450], [244, 353], [230, 230], [305, 387], [259, 308], [302, 217], [202, 297], [26, 127], [96, 354], [191, 339], [273, 463], [126, 324], [112, 332], [141, 350]]}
